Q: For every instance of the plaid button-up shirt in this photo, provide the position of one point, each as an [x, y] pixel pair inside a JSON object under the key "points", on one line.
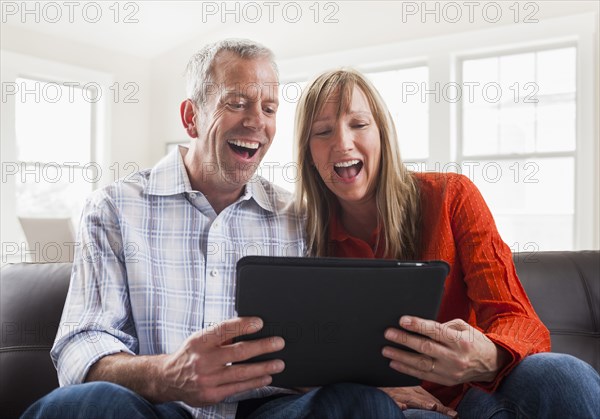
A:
{"points": [[155, 264]]}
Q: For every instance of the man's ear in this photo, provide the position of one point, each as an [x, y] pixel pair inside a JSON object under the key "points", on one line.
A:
{"points": [[188, 117]]}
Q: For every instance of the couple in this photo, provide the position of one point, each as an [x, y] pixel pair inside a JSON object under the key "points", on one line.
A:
{"points": [[150, 334]]}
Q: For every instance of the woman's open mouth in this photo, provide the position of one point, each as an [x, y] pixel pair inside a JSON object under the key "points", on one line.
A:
{"points": [[246, 149], [348, 169]]}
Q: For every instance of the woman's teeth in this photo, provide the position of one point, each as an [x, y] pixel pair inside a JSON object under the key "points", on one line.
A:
{"points": [[348, 169], [347, 163]]}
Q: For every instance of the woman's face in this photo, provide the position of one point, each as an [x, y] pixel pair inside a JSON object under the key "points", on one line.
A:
{"points": [[346, 151]]}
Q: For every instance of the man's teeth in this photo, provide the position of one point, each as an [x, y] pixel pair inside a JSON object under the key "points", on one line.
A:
{"points": [[347, 163], [245, 144]]}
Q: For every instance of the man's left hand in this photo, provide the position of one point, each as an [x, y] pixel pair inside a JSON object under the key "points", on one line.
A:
{"points": [[450, 353]]}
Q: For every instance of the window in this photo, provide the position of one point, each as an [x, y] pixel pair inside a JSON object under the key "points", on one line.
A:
{"points": [[519, 139], [279, 165], [54, 148], [400, 89]]}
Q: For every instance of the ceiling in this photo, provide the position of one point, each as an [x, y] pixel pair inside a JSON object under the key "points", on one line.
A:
{"points": [[147, 29]]}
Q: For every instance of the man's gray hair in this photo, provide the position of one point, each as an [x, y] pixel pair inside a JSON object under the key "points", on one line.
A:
{"points": [[199, 70]]}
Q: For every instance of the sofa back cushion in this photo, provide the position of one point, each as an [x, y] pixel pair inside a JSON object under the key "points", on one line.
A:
{"points": [[564, 288], [32, 296]]}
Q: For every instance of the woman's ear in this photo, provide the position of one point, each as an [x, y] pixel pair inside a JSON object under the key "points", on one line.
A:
{"points": [[188, 117]]}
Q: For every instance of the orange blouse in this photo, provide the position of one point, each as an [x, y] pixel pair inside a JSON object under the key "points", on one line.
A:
{"points": [[482, 287]]}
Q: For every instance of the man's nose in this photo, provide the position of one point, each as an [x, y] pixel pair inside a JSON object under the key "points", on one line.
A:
{"points": [[254, 117]]}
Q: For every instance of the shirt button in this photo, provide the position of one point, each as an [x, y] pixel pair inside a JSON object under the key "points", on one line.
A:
{"points": [[216, 224], [193, 195], [214, 272]]}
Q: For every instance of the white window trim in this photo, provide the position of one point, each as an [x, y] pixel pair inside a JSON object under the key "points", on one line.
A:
{"points": [[443, 55]]}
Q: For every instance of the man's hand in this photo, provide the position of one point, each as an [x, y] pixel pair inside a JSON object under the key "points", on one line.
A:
{"points": [[448, 354], [417, 398], [200, 372]]}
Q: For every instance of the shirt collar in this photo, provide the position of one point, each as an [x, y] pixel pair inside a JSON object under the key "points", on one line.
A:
{"points": [[169, 177], [256, 189]]}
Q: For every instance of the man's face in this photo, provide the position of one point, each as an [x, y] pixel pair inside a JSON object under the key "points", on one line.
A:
{"points": [[237, 123]]}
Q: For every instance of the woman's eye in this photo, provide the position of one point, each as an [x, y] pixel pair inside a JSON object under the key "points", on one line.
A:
{"points": [[361, 125], [323, 132], [236, 105], [270, 110]]}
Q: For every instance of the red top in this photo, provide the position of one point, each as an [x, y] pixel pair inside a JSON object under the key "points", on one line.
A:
{"points": [[482, 287]]}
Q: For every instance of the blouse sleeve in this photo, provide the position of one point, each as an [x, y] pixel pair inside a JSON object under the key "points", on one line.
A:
{"points": [[502, 309]]}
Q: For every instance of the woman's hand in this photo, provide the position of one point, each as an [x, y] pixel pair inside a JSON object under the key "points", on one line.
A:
{"points": [[417, 398], [450, 353]]}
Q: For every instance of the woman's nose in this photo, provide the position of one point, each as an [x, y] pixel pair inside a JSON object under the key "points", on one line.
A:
{"points": [[343, 141]]}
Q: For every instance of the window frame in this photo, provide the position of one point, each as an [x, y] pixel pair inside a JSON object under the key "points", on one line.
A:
{"points": [[461, 158]]}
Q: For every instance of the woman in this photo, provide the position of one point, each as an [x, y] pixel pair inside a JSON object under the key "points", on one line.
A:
{"points": [[362, 202]]}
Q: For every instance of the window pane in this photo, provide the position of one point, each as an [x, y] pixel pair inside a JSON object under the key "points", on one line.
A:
{"points": [[556, 71], [48, 190], [478, 74], [533, 96], [480, 126], [402, 90], [532, 201], [53, 122], [515, 71], [517, 128], [556, 125]]}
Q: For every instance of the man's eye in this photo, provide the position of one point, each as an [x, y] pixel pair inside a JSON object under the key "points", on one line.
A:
{"points": [[236, 105], [270, 110]]}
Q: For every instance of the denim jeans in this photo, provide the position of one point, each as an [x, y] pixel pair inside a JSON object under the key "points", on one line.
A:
{"points": [[337, 401], [101, 400], [542, 386], [545, 385]]}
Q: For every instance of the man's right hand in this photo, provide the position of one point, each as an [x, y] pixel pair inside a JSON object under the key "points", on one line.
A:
{"points": [[203, 370]]}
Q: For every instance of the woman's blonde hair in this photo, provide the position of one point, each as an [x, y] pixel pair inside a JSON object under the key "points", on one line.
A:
{"points": [[396, 194]]}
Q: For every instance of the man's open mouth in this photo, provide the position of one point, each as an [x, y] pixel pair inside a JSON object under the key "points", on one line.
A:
{"points": [[246, 149], [348, 169]]}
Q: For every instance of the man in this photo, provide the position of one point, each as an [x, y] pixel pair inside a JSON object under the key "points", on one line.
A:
{"points": [[149, 318]]}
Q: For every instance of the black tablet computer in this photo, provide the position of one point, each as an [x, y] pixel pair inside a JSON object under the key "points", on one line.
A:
{"points": [[332, 313]]}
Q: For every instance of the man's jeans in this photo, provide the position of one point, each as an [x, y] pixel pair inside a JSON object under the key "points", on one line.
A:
{"points": [[542, 386]]}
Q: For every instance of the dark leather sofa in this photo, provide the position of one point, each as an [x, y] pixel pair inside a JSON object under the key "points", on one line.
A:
{"points": [[564, 288]]}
